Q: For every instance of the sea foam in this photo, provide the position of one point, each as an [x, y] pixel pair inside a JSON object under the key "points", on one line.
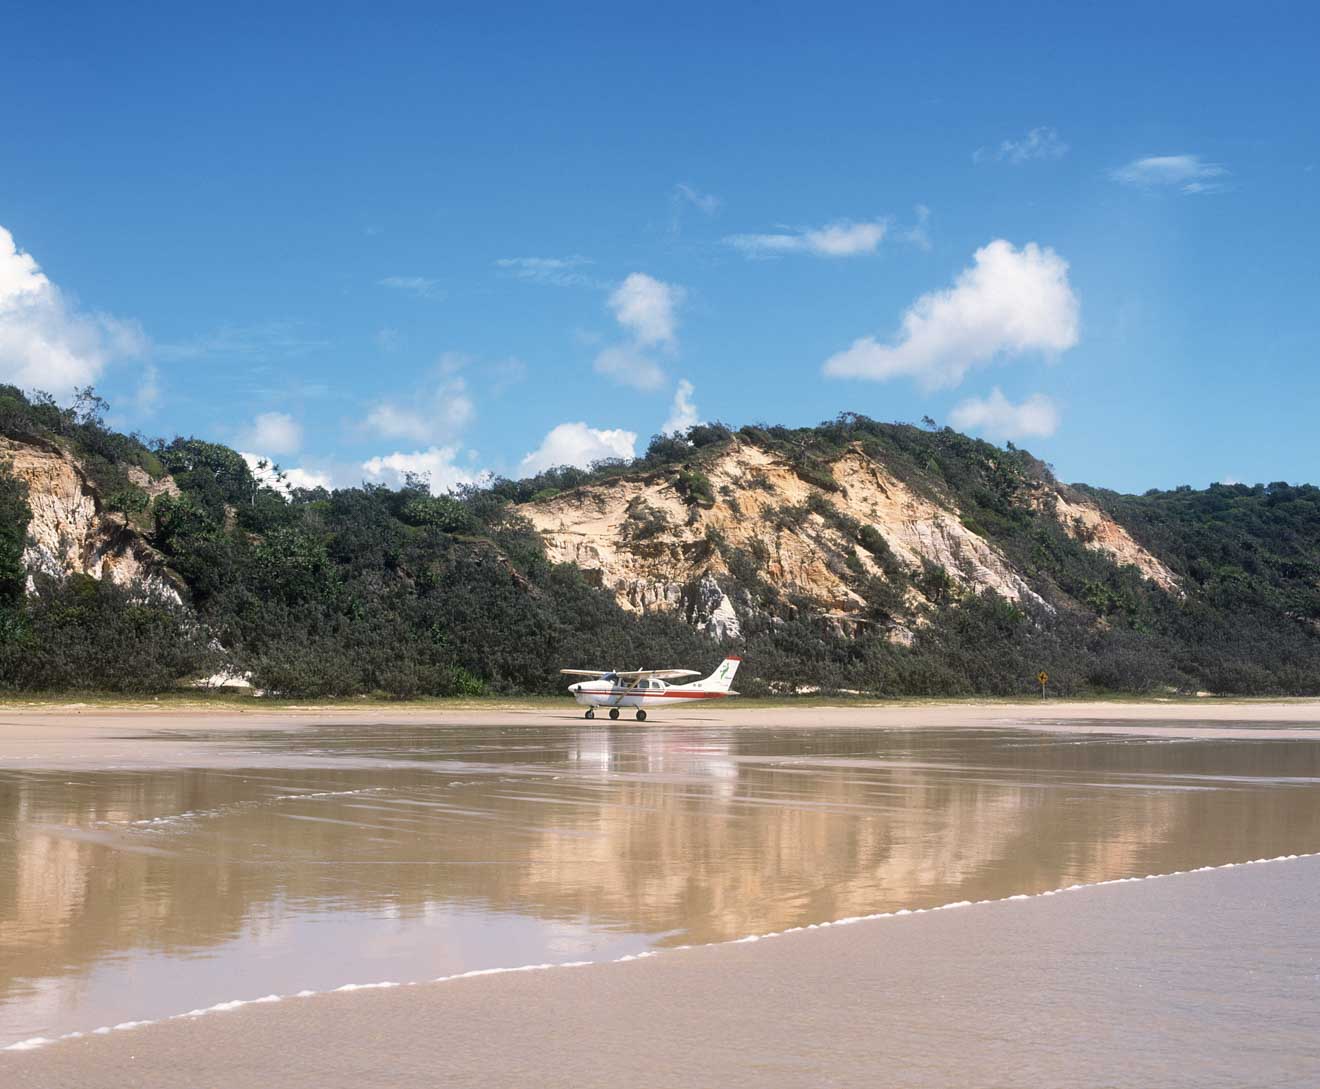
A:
{"points": [[36, 1042]]}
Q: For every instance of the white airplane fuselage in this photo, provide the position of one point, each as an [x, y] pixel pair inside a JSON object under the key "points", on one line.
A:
{"points": [[649, 693], [612, 694]]}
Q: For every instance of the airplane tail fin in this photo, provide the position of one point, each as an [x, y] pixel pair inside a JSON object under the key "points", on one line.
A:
{"points": [[722, 679]]}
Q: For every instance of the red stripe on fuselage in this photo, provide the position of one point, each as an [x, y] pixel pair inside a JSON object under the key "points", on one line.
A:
{"points": [[658, 695]]}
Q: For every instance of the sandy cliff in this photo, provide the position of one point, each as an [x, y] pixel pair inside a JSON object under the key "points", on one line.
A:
{"points": [[643, 540]]}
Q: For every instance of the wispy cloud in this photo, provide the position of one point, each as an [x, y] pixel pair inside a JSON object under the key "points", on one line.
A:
{"points": [[919, 234], [1188, 173], [1038, 143], [683, 413], [647, 309], [706, 203], [420, 287], [1008, 302], [436, 413], [272, 433], [555, 271], [844, 238], [276, 339], [999, 418]]}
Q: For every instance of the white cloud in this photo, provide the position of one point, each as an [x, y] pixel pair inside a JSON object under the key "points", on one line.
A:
{"points": [[648, 308], [998, 418], [286, 480], [434, 415], [277, 432], [580, 445], [419, 286], [707, 203], [436, 464], [1008, 302], [45, 341], [683, 414], [1189, 173], [842, 239], [556, 271], [629, 366], [1039, 143]]}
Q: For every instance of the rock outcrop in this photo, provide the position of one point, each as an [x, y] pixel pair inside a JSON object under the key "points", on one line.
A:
{"points": [[659, 549], [70, 532]]}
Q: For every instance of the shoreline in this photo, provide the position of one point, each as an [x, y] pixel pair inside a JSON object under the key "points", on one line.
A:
{"points": [[165, 735], [914, 982], [235, 703]]}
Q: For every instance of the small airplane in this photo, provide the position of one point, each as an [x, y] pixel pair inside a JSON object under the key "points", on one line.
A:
{"points": [[643, 688]]}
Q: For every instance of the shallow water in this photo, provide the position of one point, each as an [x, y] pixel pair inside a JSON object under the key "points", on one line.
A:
{"points": [[354, 854]]}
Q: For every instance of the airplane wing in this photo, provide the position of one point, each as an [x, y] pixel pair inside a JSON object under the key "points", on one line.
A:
{"points": [[585, 672], [664, 674]]}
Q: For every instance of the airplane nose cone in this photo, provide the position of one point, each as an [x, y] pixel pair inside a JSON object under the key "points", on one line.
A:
{"points": [[575, 688]]}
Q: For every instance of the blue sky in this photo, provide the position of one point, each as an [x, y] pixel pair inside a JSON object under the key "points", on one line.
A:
{"points": [[360, 240]]}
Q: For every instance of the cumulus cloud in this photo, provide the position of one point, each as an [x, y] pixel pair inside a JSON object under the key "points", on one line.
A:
{"points": [[998, 418], [648, 308], [46, 342], [277, 432], [580, 445], [418, 286], [683, 414], [1039, 143], [437, 465], [841, 239], [435, 414], [630, 366], [1188, 173], [556, 271], [285, 480], [1008, 302]]}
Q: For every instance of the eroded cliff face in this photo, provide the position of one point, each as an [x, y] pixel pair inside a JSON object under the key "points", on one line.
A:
{"points": [[1085, 522], [642, 540], [70, 532]]}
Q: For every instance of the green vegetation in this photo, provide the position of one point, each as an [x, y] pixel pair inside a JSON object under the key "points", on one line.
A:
{"points": [[371, 591]]}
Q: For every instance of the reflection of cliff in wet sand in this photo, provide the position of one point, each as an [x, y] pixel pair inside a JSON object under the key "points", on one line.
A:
{"points": [[588, 834]]}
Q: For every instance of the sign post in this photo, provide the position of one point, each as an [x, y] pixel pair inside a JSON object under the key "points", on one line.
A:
{"points": [[1042, 679]]}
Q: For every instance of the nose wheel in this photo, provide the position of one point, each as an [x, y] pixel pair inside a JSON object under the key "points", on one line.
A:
{"points": [[614, 712], [590, 713], [641, 716]]}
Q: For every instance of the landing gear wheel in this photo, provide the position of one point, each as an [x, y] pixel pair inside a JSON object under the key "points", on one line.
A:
{"points": [[590, 713], [614, 712], [641, 716]]}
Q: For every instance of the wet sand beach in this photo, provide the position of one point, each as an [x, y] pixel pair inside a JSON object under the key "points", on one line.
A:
{"points": [[157, 863], [1206, 980]]}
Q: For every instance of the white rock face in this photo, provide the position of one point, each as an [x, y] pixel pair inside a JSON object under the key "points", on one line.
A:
{"points": [[643, 542], [68, 533]]}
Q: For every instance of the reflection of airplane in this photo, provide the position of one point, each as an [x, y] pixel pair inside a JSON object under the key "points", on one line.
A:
{"points": [[642, 688]]}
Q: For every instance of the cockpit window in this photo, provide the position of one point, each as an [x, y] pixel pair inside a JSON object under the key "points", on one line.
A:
{"points": [[610, 677]]}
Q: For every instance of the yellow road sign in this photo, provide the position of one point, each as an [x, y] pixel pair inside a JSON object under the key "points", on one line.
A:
{"points": [[1042, 678]]}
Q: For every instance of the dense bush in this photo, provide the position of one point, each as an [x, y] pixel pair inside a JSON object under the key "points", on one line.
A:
{"points": [[399, 592]]}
